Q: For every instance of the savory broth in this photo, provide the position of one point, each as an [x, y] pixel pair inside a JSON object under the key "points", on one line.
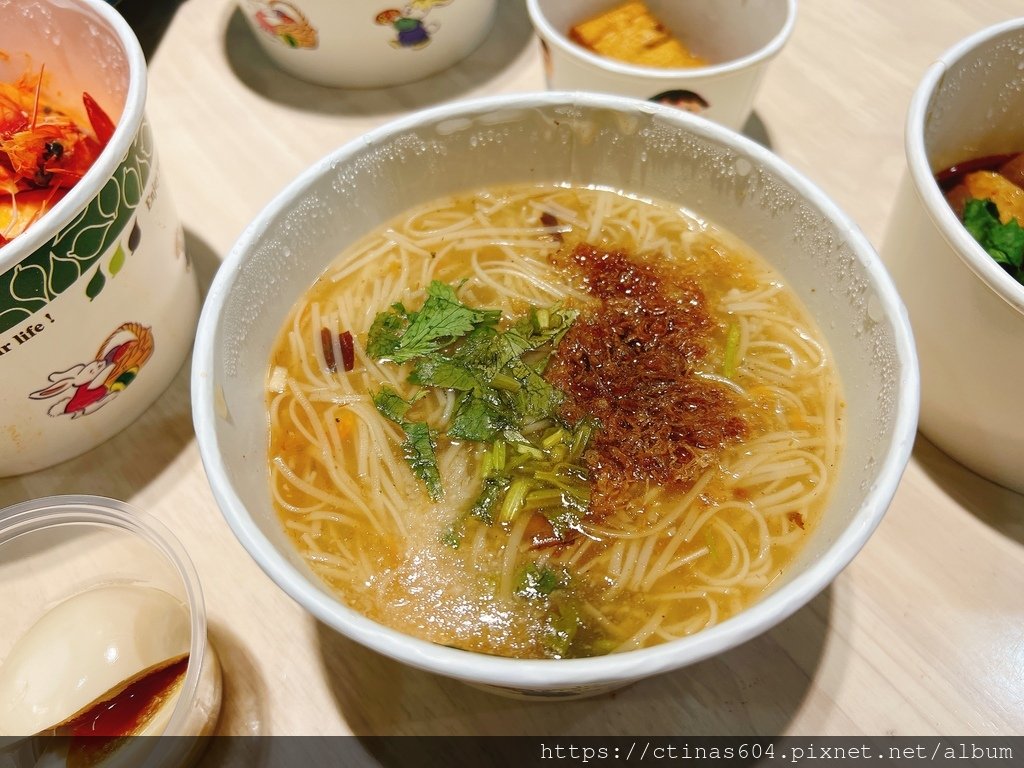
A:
{"points": [[739, 427]]}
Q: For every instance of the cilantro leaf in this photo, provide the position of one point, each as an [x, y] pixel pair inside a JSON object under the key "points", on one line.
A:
{"points": [[443, 372], [1006, 244], [475, 419], [980, 216], [536, 581], [1003, 242], [391, 405], [420, 445], [493, 490], [536, 398], [482, 352], [498, 375], [419, 449], [386, 332], [400, 337]]}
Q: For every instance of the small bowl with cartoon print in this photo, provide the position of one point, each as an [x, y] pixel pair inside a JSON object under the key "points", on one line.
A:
{"points": [[367, 43]]}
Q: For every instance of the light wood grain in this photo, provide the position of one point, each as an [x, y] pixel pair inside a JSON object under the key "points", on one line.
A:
{"points": [[922, 634]]}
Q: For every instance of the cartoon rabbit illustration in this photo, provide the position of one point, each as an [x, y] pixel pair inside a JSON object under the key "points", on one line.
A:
{"points": [[284, 22], [87, 387]]}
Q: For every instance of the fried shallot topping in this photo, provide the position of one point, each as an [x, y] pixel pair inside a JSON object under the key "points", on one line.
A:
{"points": [[629, 363]]}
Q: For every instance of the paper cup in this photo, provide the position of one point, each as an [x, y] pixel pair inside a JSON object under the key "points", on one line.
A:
{"points": [[967, 313], [98, 302], [737, 37]]}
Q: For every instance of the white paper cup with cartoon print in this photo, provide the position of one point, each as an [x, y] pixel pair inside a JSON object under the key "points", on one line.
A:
{"points": [[737, 39], [98, 302], [966, 310], [367, 43]]}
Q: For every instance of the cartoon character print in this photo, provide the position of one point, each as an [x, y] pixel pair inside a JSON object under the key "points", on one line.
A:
{"points": [[688, 101], [412, 31], [285, 23], [86, 387]]}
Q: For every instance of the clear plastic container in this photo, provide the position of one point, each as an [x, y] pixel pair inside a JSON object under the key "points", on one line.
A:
{"points": [[54, 548]]}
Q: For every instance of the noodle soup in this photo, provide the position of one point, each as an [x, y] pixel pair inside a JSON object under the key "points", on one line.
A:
{"points": [[672, 425]]}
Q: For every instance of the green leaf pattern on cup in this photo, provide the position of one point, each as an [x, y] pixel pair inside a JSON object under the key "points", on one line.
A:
{"points": [[52, 269], [98, 282], [117, 260], [28, 284], [64, 274]]}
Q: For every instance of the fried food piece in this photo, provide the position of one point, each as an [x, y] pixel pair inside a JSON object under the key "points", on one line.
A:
{"points": [[630, 33], [1008, 197]]}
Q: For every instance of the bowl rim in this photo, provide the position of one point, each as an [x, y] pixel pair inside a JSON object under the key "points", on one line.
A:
{"points": [[550, 34], [27, 517], [78, 197], [547, 674], [952, 229]]}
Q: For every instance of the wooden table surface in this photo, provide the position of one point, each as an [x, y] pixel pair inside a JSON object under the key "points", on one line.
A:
{"points": [[923, 634]]}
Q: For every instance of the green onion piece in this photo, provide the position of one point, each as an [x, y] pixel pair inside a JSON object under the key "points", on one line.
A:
{"points": [[732, 348], [528, 450], [487, 464], [542, 319], [572, 472], [514, 499], [497, 455], [556, 437], [603, 646], [551, 477], [560, 452], [562, 628], [564, 519], [515, 461], [574, 504], [452, 536], [491, 491], [543, 497], [506, 383], [580, 439]]}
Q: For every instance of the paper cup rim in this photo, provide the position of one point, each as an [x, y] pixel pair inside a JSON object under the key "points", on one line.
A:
{"points": [[127, 128], [555, 37], [952, 229]]}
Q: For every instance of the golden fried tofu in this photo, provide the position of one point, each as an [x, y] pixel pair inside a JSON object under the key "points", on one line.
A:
{"points": [[630, 33], [1008, 197]]}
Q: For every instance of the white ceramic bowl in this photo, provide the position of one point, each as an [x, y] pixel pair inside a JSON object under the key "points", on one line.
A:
{"points": [[967, 312], [587, 139], [738, 38], [98, 302], [367, 43]]}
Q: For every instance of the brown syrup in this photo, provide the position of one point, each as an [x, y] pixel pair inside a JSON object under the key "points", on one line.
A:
{"points": [[125, 713]]}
